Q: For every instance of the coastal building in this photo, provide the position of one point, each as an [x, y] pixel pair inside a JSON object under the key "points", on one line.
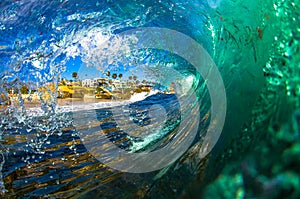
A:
{"points": [[118, 84], [94, 82], [87, 83]]}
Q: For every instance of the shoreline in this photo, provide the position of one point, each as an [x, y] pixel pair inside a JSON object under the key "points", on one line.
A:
{"points": [[66, 102], [77, 103]]}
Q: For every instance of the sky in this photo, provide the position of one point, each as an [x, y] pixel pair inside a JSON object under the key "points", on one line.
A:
{"points": [[84, 72]]}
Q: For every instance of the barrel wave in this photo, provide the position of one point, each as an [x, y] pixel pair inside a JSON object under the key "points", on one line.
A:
{"points": [[63, 136]]}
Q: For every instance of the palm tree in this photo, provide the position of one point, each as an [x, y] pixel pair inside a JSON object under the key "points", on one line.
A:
{"points": [[24, 89], [120, 75], [114, 76], [75, 75], [63, 82]]}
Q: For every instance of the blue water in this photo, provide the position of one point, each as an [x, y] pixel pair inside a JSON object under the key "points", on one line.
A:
{"points": [[139, 114], [60, 164]]}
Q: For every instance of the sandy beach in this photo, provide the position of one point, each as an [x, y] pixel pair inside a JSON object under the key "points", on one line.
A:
{"points": [[60, 102]]}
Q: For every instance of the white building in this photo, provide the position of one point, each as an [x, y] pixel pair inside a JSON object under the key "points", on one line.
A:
{"points": [[94, 82], [119, 84], [88, 83]]}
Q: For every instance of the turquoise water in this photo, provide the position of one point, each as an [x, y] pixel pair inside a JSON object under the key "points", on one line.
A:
{"points": [[254, 46]]}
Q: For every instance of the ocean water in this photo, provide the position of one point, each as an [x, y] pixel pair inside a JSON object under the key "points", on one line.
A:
{"points": [[234, 67]]}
